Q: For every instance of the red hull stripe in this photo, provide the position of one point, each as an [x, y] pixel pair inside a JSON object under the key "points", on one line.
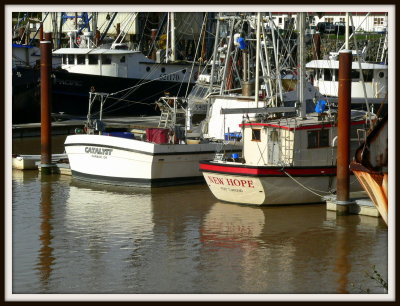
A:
{"points": [[308, 127], [268, 171]]}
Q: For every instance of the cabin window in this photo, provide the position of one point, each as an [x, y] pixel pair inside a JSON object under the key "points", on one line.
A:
{"points": [[80, 59], [93, 59], [147, 68], [105, 59], [379, 21], [184, 71], [368, 75], [64, 59], [255, 134], [381, 74], [355, 75], [336, 72], [318, 139], [71, 59], [162, 69], [327, 75], [122, 59]]}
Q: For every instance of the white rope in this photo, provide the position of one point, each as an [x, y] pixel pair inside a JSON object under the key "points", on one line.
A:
{"points": [[306, 188]]}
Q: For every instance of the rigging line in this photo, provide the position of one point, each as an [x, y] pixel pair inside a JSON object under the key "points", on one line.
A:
{"points": [[141, 38], [154, 95], [195, 56], [312, 190], [362, 76], [135, 86], [131, 22]]}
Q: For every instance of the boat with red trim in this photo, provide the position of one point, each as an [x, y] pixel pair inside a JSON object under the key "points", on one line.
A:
{"points": [[287, 160]]}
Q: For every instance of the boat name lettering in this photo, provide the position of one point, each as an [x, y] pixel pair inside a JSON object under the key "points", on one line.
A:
{"points": [[231, 182], [98, 151], [169, 77], [69, 83]]}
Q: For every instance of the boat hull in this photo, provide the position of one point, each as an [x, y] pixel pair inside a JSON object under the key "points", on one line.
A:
{"points": [[130, 162], [270, 185], [71, 93], [376, 185]]}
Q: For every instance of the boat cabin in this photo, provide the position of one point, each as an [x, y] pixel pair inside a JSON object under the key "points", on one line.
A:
{"points": [[295, 142], [122, 63], [325, 76]]}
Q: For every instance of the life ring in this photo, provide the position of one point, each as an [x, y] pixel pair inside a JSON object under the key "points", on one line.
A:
{"points": [[78, 40]]}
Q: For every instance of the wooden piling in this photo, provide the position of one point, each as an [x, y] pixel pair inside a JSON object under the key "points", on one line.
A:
{"points": [[344, 117], [45, 100]]}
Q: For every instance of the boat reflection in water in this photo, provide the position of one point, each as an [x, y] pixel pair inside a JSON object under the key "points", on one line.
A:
{"points": [[275, 247], [97, 238]]}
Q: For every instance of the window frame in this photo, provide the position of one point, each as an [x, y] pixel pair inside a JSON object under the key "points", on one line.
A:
{"points": [[318, 138], [256, 136]]}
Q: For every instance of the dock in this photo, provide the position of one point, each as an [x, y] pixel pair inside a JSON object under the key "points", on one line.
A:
{"points": [[66, 127], [359, 204]]}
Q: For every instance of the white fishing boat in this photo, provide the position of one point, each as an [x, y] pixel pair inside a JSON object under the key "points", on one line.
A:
{"points": [[165, 156], [289, 154], [284, 161], [374, 77], [369, 80]]}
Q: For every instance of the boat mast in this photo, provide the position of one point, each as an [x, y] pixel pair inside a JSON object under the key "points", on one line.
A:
{"points": [[301, 23], [214, 57], [172, 37], [167, 42], [257, 81], [278, 73], [227, 55]]}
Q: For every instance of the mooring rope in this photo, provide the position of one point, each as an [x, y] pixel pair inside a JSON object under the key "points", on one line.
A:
{"points": [[306, 188]]}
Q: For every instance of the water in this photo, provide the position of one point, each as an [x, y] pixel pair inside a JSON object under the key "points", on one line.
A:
{"points": [[75, 237]]}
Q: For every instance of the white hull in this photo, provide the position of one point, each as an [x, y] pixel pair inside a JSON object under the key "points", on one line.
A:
{"points": [[243, 189], [120, 161]]}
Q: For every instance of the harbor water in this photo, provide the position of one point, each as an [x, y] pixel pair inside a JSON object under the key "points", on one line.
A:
{"points": [[72, 237]]}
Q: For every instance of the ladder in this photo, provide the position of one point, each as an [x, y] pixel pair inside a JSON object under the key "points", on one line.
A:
{"points": [[171, 110], [165, 119], [382, 47]]}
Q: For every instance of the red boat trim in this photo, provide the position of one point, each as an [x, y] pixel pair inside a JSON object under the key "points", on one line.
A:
{"points": [[308, 127], [266, 171]]}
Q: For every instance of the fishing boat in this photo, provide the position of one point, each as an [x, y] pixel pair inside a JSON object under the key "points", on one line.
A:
{"points": [[289, 160], [374, 77], [163, 156], [136, 80], [289, 154], [370, 166], [369, 80]]}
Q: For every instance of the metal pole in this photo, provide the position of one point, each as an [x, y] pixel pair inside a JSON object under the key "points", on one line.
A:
{"points": [[257, 80], [227, 56], [214, 58], [167, 42], [172, 37], [45, 102], [301, 74], [343, 149], [347, 24]]}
